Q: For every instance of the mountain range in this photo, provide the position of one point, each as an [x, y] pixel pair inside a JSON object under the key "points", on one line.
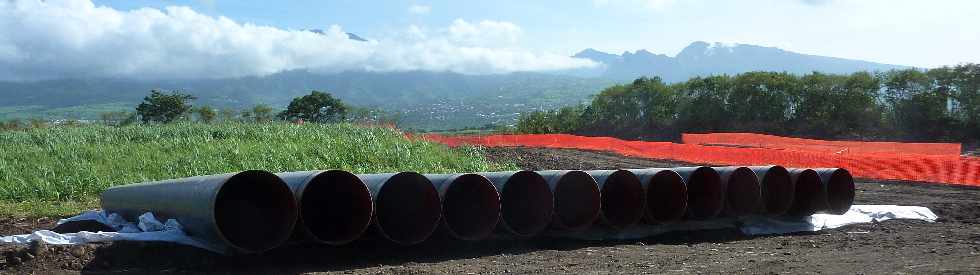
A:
{"points": [[425, 99], [702, 58]]}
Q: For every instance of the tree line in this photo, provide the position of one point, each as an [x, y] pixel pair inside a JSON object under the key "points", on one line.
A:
{"points": [[941, 104], [173, 106]]}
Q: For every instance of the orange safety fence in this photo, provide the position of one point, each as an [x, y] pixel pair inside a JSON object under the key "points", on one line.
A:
{"points": [[778, 142], [880, 165]]}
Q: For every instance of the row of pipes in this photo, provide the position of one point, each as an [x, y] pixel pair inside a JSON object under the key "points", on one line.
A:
{"points": [[254, 211]]}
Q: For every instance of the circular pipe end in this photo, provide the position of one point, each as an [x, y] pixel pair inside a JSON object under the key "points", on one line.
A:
{"points": [[666, 197], [526, 204], [471, 207], [408, 208], [622, 199], [705, 194], [577, 201], [743, 192], [810, 194], [840, 191], [255, 211], [336, 207], [778, 190]]}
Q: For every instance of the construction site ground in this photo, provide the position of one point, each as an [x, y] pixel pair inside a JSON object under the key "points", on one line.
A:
{"points": [[950, 245]]}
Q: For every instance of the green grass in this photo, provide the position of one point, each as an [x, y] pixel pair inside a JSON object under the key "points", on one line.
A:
{"points": [[60, 171]]}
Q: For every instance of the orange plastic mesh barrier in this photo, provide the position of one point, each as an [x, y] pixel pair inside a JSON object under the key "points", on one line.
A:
{"points": [[802, 144], [881, 165]]}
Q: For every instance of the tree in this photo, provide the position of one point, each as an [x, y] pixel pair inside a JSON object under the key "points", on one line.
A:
{"points": [[759, 101], [164, 108], [262, 113], [918, 104], [206, 114], [116, 118], [227, 114], [704, 107], [317, 107]]}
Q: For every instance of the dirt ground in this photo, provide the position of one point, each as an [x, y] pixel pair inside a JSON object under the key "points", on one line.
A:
{"points": [[951, 245]]}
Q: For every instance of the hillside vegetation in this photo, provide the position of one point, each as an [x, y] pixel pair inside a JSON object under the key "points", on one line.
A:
{"points": [[941, 104], [422, 100], [61, 170]]}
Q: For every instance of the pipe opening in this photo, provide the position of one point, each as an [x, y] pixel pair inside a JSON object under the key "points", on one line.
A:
{"points": [[526, 203], [840, 191], [255, 211], [810, 195], [336, 207], [471, 207], [777, 190], [408, 208], [666, 196], [622, 199], [743, 191], [705, 197], [577, 200]]}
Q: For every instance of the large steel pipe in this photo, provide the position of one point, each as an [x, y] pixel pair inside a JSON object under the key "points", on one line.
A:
{"points": [[577, 199], [407, 207], [526, 202], [623, 199], [742, 190], [470, 205], [705, 193], [665, 192], [839, 186], [778, 189], [810, 196], [334, 206], [246, 212]]}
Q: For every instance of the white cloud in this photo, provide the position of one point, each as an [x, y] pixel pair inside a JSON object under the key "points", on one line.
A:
{"points": [[75, 38], [486, 32], [419, 9]]}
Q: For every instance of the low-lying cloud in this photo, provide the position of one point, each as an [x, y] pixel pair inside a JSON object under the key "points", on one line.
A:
{"points": [[77, 39]]}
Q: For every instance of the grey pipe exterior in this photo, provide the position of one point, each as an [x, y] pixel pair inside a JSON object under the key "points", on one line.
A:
{"points": [[665, 192], [470, 205], [577, 199], [742, 190], [778, 189], [839, 187], [705, 193], [406, 206], [246, 212], [335, 207], [526, 202], [623, 199], [810, 196]]}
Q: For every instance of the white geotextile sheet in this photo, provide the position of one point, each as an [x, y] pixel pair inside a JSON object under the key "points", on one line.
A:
{"points": [[762, 225], [148, 228]]}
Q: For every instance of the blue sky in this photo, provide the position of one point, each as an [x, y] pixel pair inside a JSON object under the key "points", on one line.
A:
{"points": [[462, 36]]}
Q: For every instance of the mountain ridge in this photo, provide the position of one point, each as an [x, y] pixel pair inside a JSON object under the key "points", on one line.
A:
{"points": [[702, 59]]}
